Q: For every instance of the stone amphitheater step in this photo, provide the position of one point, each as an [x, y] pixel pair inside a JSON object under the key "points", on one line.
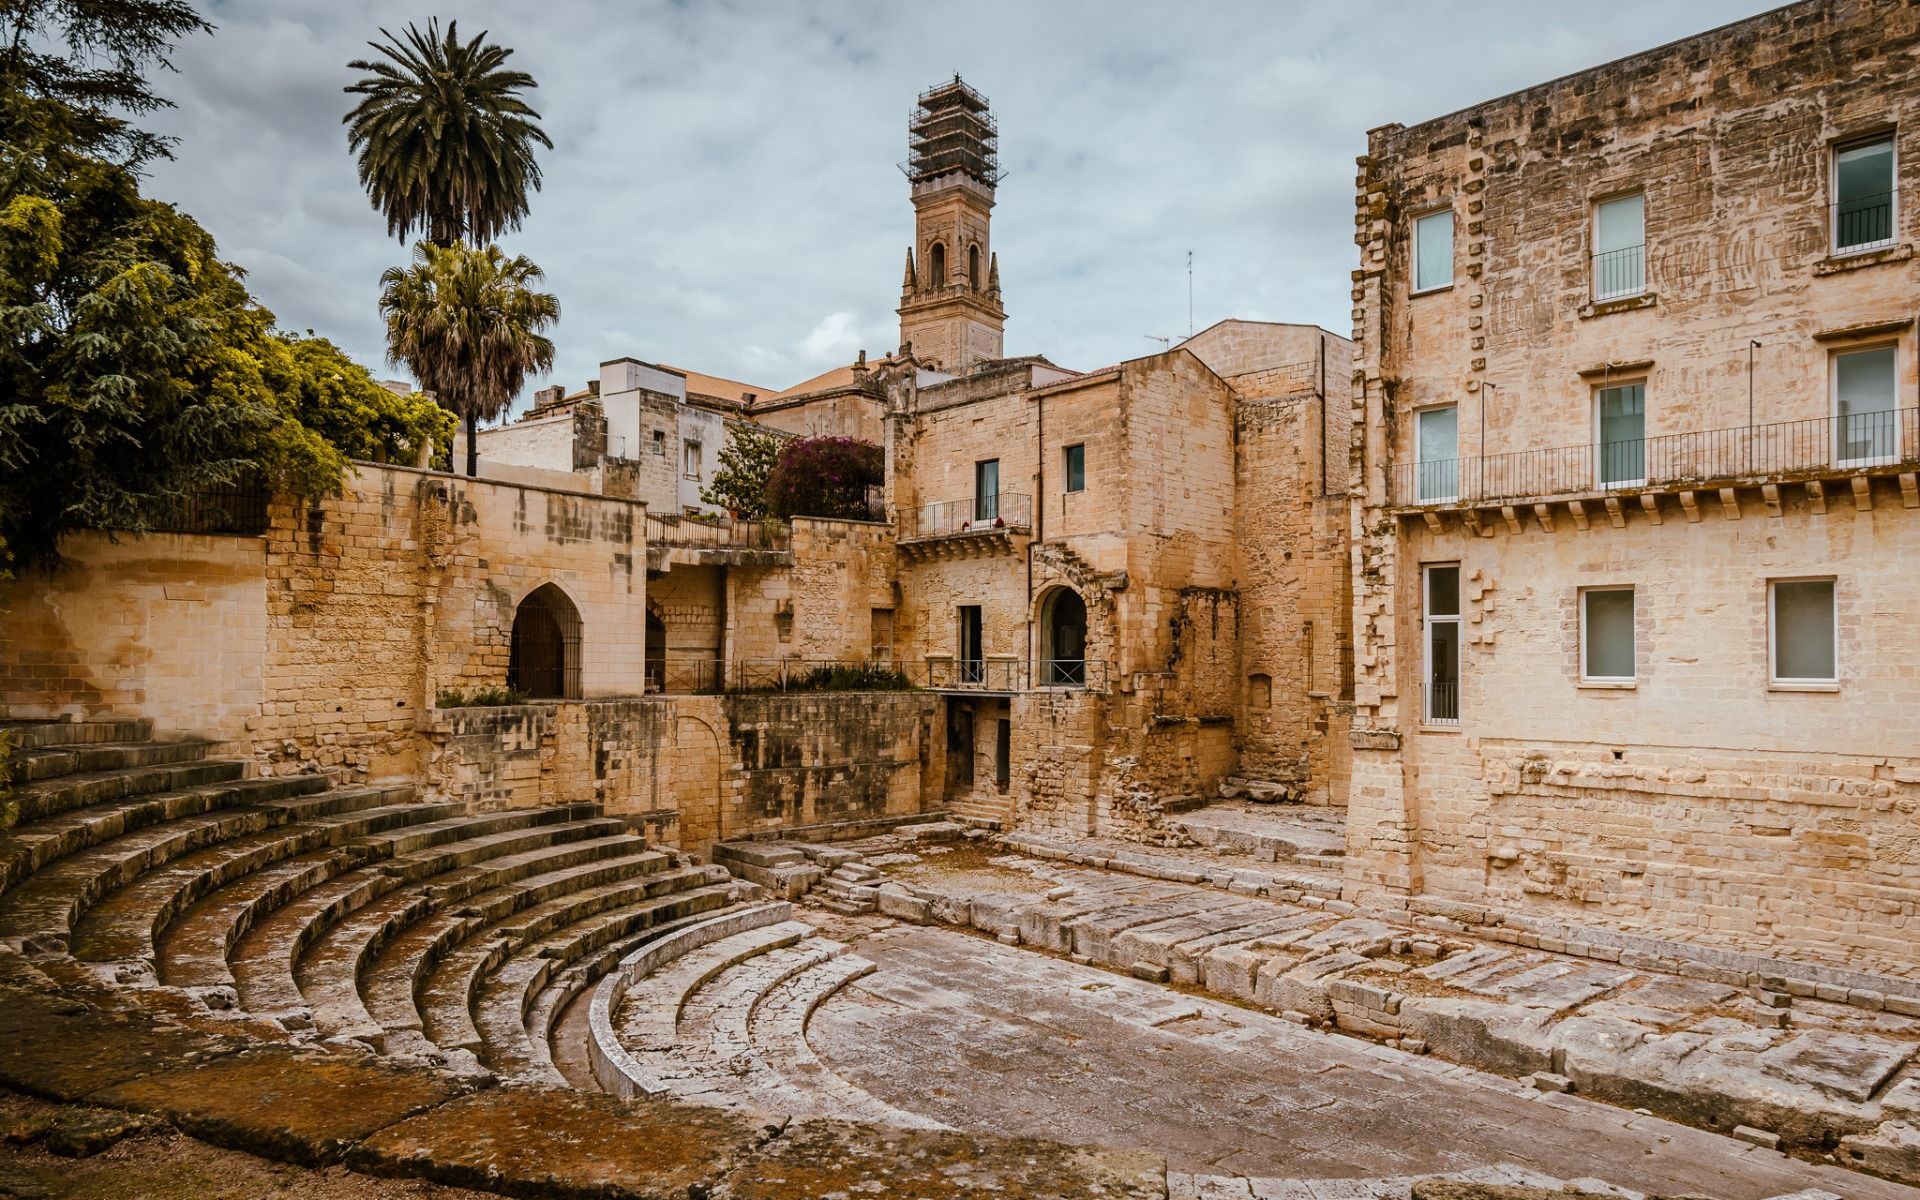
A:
{"points": [[52, 762], [194, 951], [125, 925], [34, 735], [608, 1062], [556, 1018], [58, 866], [459, 851], [503, 1000], [711, 1060], [423, 982], [777, 1029]]}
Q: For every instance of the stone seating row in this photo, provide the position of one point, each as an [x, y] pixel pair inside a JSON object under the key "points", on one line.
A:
{"points": [[716, 1014], [417, 927]]}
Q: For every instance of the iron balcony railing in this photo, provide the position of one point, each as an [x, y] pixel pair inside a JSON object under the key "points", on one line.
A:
{"points": [[1863, 223], [974, 515], [1440, 704], [1808, 448], [666, 530], [984, 675], [1620, 273]]}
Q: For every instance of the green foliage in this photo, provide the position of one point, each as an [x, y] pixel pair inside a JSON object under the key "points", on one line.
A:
{"points": [[844, 677], [445, 142], [135, 369], [746, 463], [486, 697], [87, 58], [825, 477], [470, 325], [340, 401]]}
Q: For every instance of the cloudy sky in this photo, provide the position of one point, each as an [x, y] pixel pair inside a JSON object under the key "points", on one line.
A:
{"points": [[723, 192]]}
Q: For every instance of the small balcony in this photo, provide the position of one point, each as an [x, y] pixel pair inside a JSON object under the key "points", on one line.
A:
{"points": [[704, 541], [966, 528], [1856, 446]]}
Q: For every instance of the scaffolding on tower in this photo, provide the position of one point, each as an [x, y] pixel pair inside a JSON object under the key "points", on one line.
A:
{"points": [[951, 129]]}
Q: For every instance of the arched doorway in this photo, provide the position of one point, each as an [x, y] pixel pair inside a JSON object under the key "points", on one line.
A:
{"points": [[1063, 639], [544, 661]]}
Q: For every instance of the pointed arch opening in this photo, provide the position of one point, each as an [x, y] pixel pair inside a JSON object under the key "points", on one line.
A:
{"points": [[937, 265], [1063, 639], [973, 265], [544, 658]]}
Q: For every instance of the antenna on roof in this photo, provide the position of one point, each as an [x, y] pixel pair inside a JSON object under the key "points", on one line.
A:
{"points": [[1189, 293], [1165, 342]]}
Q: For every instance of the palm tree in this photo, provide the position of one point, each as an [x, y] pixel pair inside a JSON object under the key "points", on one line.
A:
{"points": [[470, 325], [444, 139]]}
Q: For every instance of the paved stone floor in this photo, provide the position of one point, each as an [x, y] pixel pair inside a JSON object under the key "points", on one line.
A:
{"points": [[988, 1037]]}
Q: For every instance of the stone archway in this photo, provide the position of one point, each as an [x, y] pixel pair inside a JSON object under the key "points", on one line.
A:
{"points": [[1063, 639], [544, 659]]}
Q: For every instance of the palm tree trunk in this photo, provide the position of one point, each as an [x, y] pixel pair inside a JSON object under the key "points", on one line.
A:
{"points": [[473, 445]]}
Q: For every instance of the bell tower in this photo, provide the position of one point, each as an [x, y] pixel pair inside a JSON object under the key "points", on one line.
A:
{"points": [[950, 299]]}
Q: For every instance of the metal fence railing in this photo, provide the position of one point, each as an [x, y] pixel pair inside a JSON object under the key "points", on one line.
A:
{"points": [[1440, 704], [667, 530], [976, 514], [984, 675], [238, 510], [1808, 448]]}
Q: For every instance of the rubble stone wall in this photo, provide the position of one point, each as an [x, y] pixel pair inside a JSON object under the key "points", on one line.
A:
{"points": [[691, 770]]}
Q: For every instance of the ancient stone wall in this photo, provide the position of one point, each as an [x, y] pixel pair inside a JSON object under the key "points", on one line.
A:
{"points": [[691, 770], [171, 625]]}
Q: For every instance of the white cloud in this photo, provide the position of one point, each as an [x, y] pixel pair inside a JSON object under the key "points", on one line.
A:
{"points": [[723, 173], [836, 339]]}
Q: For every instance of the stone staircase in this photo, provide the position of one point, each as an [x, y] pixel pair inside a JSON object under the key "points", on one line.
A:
{"points": [[421, 929], [716, 1014]]}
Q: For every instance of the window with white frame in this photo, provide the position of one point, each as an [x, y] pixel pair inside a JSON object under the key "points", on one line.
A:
{"points": [[1437, 454], [1440, 614], [1619, 247], [1606, 635], [1803, 641], [1620, 434], [690, 459], [1433, 251], [1866, 416], [1863, 194]]}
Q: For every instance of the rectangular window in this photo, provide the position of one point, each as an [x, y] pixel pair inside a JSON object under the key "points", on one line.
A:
{"points": [[1076, 468], [690, 459], [1437, 454], [1441, 615], [1606, 635], [1433, 251], [660, 443], [986, 490], [1866, 419], [1863, 195], [1619, 247], [1803, 647], [1620, 415]]}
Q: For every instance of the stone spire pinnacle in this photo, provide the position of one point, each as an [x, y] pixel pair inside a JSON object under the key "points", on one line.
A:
{"points": [[910, 282], [993, 274]]}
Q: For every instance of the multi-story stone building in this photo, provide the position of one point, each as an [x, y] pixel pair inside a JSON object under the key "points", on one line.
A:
{"points": [[1127, 583], [1635, 518]]}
